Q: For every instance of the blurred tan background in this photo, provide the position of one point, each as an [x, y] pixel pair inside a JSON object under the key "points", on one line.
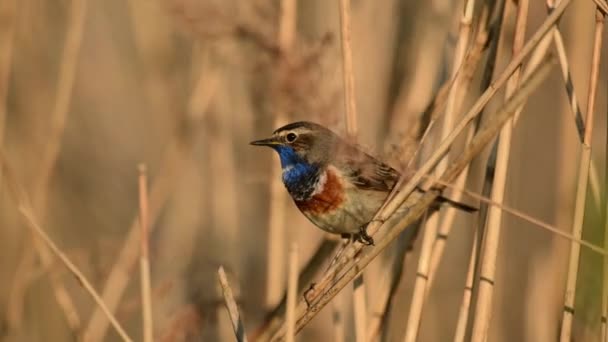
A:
{"points": [[89, 89]]}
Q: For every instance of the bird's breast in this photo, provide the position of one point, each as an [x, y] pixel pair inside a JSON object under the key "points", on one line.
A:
{"points": [[327, 196]]}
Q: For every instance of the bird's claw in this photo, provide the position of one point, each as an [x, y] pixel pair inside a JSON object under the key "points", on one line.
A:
{"points": [[363, 237]]}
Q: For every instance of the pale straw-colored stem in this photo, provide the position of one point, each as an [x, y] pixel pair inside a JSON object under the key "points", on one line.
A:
{"points": [[431, 229], [528, 218], [144, 261], [350, 111], [583, 177], [347, 70], [67, 73], [292, 293], [233, 310], [20, 197], [360, 309], [483, 308], [8, 13], [278, 196], [604, 317], [173, 162], [463, 313]]}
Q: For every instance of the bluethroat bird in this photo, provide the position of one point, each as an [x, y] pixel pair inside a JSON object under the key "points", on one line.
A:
{"points": [[337, 186]]}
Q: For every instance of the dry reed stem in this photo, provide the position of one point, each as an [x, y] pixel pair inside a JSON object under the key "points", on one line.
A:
{"points": [[360, 308], [575, 108], [338, 320], [431, 229], [380, 314], [419, 294], [146, 292], [583, 176], [604, 318], [346, 269], [173, 161], [526, 217], [22, 202], [602, 6], [292, 293], [350, 111], [485, 290], [8, 15], [233, 310], [67, 73], [278, 195], [347, 71], [465, 306], [305, 277]]}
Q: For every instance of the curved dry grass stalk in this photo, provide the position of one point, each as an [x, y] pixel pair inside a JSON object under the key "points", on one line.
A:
{"points": [[67, 74], [144, 264], [487, 271], [431, 230], [583, 177], [526, 217], [233, 310], [20, 197], [172, 163], [346, 269]]}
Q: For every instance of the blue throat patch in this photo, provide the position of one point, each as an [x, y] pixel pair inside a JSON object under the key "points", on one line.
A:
{"points": [[299, 176]]}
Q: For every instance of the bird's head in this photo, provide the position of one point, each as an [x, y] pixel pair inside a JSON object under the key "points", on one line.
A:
{"points": [[301, 142]]}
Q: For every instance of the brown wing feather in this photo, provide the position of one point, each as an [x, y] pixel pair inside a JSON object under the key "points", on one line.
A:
{"points": [[365, 171]]}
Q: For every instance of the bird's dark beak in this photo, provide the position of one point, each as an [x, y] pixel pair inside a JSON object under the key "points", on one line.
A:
{"points": [[266, 142]]}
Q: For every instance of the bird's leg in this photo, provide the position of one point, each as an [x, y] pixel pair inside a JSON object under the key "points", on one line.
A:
{"points": [[363, 237]]}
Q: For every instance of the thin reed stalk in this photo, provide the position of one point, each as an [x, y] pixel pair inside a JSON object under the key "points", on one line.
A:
{"points": [[583, 177], [431, 229], [20, 197], [172, 163], [485, 291], [347, 70], [144, 261], [360, 308], [350, 112], [604, 317], [312, 267], [465, 306], [46, 166], [528, 218], [292, 293], [233, 310], [278, 195], [7, 31]]}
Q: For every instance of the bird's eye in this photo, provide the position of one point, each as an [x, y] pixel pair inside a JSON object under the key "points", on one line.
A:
{"points": [[291, 137]]}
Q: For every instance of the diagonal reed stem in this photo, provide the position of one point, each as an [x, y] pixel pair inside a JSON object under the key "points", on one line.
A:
{"points": [[583, 177]]}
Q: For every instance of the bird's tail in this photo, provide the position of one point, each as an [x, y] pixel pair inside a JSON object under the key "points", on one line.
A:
{"points": [[458, 205]]}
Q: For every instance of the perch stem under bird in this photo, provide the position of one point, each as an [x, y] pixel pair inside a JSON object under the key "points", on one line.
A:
{"points": [[335, 184]]}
